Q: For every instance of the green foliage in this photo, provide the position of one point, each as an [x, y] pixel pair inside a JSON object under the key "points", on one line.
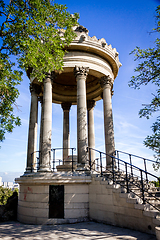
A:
{"points": [[36, 33], [148, 71], [5, 193], [156, 183]]}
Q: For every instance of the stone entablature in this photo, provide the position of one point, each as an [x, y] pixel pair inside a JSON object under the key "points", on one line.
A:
{"points": [[97, 46]]}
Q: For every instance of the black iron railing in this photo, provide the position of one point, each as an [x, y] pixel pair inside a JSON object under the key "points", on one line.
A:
{"points": [[61, 161], [130, 158], [118, 171], [127, 175]]}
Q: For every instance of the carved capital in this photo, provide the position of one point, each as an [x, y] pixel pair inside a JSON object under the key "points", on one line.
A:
{"points": [[90, 104], [106, 80], [32, 88], [66, 106], [83, 71], [51, 75]]}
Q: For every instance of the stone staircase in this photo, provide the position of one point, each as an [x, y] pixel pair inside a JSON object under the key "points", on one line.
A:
{"points": [[112, 204], [151, 193]]}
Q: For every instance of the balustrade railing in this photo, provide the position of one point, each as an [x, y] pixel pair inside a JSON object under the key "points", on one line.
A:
{"points": [[132, 157], [61, 161], [119, 171], [127, 175]]}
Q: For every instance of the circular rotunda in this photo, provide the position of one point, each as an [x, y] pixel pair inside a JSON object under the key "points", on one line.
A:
{"points": [[90, 68]]}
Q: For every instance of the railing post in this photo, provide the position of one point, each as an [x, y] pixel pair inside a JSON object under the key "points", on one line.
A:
{"points": [[101, 163], [38, 160], [113, 170], [130, 159], [72, 159], [54, 159], [118, 160], [37, 168], [142, 187], [31, 162], [90, 159], [145, 167], [97, 167], [50, 159], [127, 178]]}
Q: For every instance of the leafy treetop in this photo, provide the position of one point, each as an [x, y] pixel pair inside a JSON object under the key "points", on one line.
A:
{"points": [[33, 34]]}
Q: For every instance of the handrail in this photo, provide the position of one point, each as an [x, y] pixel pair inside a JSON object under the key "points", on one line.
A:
{"points": [[132, 155], [54, 155], [125, 162], [126, 178], [135, 156]]}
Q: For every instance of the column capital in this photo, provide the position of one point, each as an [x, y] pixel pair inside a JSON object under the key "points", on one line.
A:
{"points": [[32, 88], [106, 80], [66, 106], [90, 104], [83, 71], [51, 76], [35, 88]]}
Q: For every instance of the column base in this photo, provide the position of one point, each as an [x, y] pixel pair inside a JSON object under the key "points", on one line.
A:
{"points": [[44, 169], [28, 170], [65, 168], [83, 168]]}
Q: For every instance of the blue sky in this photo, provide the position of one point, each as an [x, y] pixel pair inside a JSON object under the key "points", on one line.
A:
{"points": [[124, 24]]}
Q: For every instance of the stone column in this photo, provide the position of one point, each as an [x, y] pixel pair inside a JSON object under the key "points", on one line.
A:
{"points": [[106, 84], [46, 124], [91, 133], [32, 134], [66, 135], [81, 75], [41, 129]]}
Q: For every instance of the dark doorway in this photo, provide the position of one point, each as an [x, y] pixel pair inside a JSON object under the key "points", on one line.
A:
{"points": [[56, 201]]}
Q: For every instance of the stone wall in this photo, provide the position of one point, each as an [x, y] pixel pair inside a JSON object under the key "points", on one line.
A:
{"points": [[33, 204], [33, 207], [107, 204], [76, 201]]}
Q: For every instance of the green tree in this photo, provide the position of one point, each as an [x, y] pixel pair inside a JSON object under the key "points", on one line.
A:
{"points": [[5, 193], [33, 35], [148, 71]]}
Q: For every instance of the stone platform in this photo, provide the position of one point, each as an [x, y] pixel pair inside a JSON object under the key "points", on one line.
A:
{"points": [[34, 197]]}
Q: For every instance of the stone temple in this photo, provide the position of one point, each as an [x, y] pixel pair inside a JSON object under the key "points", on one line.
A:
{"points": [[74, 191]]}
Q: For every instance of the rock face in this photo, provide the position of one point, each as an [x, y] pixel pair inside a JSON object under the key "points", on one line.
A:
{"points": [[9, 211]]}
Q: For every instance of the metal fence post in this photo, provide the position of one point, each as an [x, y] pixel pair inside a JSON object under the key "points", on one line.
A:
{"points": [[54, 159], [127, 178], [118, 160], [90, 159], [101, 163], [145, 167], [142, 187], [113, 170], [72, 159], [130, 159]]}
